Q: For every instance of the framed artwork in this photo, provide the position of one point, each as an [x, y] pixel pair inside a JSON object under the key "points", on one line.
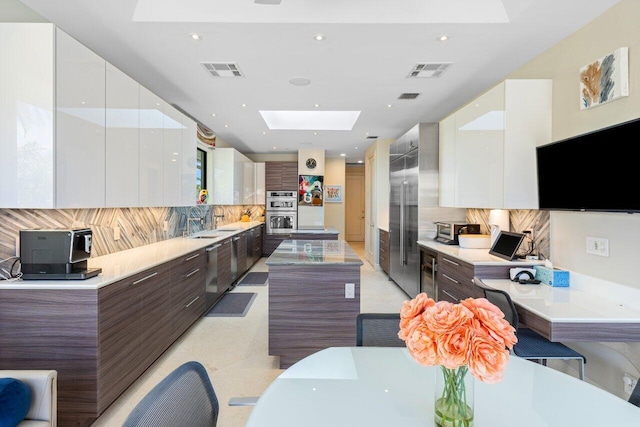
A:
{"points": [[334, 193], [605, 79], [310, 190]]}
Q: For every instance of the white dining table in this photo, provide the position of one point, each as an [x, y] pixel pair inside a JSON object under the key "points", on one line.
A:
{"points": [[384, 386]]}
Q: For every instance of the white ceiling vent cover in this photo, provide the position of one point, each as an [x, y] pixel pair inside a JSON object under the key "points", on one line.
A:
{"points": [[222, 69], [429, 70]]}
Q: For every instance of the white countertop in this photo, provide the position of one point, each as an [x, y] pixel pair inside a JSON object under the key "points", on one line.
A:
{"points": [[474, 256], [120, 265], [571, 304]]}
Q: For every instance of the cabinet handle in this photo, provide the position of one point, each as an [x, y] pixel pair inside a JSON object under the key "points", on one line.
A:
{"points": [[192, 273], [451, 262], [192, 257], [145, 278], [450, 278], [213, 247], [449, 295], [192, 301]]}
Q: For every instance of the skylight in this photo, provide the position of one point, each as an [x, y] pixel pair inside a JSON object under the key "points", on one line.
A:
{"points": [[310, 120]]}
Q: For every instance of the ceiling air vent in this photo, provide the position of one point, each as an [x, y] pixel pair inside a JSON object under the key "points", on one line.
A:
{"points": [[223, 69], [429, 70], [409, 96], [372, 137]]}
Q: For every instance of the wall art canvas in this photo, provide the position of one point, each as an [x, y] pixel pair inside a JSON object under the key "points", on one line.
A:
{"points": [[605, 79], [310, 190], [334, 193]]}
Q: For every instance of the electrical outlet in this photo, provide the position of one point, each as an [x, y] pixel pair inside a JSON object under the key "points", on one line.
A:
{"points": [[116, 233], [598, 246], [349, 290], [628, 383], [165, 226]]}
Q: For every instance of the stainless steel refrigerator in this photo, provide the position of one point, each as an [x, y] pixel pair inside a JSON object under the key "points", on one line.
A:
{"points": [[404, 255]]}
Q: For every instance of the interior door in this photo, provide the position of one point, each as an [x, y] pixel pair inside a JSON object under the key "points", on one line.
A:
{"points": [[355, 194]]}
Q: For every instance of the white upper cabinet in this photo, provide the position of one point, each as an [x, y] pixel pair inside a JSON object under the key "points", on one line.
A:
{"points": [[26, 115], [151, 164], [76, 132], [80, 125], [487, 148], [189, 152], [122, 139], [228, 178], [172, 180]]}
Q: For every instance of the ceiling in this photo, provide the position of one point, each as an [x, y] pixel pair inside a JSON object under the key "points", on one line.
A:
{"points": [[370, 49]]}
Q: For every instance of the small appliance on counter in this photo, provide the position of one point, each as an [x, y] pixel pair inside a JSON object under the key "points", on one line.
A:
{"points": [[447, 232], [56, 254]]}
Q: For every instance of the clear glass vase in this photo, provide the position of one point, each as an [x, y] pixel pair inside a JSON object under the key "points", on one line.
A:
{"points": [[454, 397]]}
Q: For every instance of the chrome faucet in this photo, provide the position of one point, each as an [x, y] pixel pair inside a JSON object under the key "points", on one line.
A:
{"points": [[189, 224], [216, 217]]}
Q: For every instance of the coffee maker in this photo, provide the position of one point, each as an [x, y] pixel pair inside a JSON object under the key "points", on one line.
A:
{"points": [[56, 254]]}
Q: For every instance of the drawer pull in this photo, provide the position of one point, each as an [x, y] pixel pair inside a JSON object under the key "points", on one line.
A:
{"points": [[450, 278], [192, 257], [213, 247], [449, 295], [192, 273], [451, 262], [145, 278], [192, 301]]}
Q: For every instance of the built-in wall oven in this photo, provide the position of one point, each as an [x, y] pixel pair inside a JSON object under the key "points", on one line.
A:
{"points": [[282, 212]]}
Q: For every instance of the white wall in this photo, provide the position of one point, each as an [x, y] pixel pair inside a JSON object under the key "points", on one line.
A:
{"points": [[334, 213], [616, 28]]}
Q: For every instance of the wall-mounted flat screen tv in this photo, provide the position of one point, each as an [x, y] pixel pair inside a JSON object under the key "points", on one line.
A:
{"points": [[595, 171]]}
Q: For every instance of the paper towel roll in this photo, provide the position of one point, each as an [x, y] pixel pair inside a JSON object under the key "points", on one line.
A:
{"points": [[498, 221]]}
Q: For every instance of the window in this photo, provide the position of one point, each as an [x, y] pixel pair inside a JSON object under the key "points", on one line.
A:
{"points": [[201, 170]]}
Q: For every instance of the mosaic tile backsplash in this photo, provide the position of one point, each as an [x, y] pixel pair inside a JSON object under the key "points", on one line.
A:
{"points": [[138, 226]]}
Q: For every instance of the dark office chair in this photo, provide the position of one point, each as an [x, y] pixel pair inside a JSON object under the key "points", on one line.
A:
{"points": [[378, 330], [530, 345], [184, 398], [635, 395]]}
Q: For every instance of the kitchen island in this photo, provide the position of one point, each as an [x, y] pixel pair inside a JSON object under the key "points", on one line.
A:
{"points": [[314, 297]]}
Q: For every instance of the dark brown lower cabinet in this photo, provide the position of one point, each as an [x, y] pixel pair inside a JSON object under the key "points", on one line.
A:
{"points": [[99, 340]]}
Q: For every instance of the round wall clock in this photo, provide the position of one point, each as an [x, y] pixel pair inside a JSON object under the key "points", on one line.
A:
{"points": [[311, 163]]}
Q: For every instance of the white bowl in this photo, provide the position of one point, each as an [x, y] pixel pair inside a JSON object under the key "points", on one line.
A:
{"points": [[474, 241]]}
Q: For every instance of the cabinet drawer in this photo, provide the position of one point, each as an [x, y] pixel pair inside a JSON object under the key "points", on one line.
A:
{"points": [[189, 262], [458, 275]]}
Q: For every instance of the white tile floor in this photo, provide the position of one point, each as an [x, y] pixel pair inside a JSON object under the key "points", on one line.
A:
{"points": [[235, 349]]}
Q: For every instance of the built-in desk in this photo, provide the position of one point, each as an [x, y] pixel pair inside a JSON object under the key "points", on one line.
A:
{"points": [[572, 313], [314, 297]]}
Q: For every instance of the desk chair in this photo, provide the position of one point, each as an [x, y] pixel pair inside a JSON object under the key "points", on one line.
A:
{"points": [[185, 397], [530, 345], [378, 330]]}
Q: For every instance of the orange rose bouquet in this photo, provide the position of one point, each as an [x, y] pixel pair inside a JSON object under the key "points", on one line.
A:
{"points": [[471, 336]]}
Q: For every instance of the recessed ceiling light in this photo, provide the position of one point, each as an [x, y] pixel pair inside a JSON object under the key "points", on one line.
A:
{"points": [[319, 37], [299, 81], [356, 148], [274, 147], [316, 105], [359, 161], [213, 114], [196, 36], [244, 105], [443, 38], [226, 126], [389, 105], [343, 155], [264, 132], [315, 133]]}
